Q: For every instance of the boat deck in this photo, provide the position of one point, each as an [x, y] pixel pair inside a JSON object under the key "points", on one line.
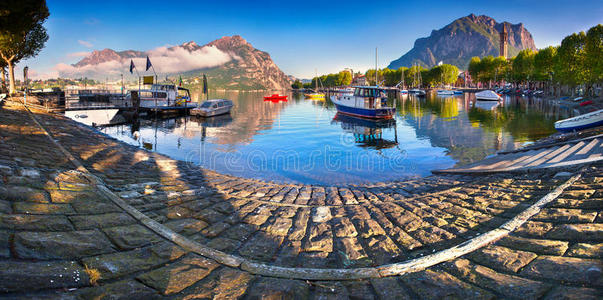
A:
{"points": [[564, 154]]}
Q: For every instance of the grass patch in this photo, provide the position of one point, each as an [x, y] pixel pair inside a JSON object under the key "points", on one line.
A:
{"points": [[93, 274]]}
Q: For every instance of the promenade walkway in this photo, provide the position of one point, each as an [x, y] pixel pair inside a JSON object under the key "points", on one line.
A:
{"points": [[85, 216]]}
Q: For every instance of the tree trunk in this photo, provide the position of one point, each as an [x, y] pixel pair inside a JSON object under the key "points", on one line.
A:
{"points": [[11, 76], [3, 71]]}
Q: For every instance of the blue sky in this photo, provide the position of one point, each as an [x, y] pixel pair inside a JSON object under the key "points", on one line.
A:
{"points": [[299, 35]]}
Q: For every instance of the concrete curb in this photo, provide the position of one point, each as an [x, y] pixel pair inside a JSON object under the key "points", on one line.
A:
{"points": [[401, 268]]}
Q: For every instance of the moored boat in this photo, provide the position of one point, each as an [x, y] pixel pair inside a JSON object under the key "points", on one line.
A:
{"points": [[445, 92], [162, 96], [589, 120], [315, 96], [275, 98], [488, 95], [212, 107], [417, 92], [365, 102]]}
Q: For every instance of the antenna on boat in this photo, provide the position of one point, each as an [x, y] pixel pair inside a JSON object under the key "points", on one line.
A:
{"points": [[376, 70]]}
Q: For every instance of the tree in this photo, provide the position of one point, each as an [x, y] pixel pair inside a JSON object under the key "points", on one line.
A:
{"points": [[475, 68], [570, 60], [297, 84], [21, 32], [594, 55], [544, 62], [523, 66]]}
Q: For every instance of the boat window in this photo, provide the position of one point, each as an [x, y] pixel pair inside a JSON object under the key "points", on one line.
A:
{"points": [[206, 104]]}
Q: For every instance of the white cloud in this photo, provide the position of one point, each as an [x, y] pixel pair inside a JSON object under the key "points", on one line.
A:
{"points": [[85, 43], [164, 59], [78, 54]]}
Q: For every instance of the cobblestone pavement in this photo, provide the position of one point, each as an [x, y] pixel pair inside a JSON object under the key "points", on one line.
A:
{"points": [[60, 236]]}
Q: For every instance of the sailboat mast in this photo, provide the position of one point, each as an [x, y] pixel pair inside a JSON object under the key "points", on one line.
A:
{"points": [[376, 70]]}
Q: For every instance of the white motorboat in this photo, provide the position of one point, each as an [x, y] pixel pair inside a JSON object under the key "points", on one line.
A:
{"points": [[589, 120], [445, 92], [488, 95], [212, 107], [162, 96], [417, 92]]}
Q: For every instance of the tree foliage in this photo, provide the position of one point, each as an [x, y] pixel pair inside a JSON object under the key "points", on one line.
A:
{"points": [[21, 32]]}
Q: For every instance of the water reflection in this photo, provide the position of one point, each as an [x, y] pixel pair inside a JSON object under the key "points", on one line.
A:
{"points": [[368, 133], [307, 141]]}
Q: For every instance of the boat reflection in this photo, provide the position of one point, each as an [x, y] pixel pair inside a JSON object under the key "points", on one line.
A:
{"points": [[368, 133], [486, 105]]}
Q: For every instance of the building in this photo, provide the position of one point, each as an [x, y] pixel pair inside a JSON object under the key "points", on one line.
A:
{"points": [[504, 37], [359, 80]]}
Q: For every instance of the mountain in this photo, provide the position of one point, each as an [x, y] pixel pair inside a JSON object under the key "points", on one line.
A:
{"points": [[229, 63], [462, 39]]}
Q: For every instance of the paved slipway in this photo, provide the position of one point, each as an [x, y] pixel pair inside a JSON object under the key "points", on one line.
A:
{"points": [[83, 216]]}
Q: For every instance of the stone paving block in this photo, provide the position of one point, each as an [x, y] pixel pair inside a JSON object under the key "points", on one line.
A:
{"points": [[240, 232], [382, 249], [261, 247], [343, 227], [565, 215], [187, 226], [93, 206], [404, 239], [5, 207], [125, 289], [586, 250], [30, 276], [440, 285], [277, 288], [101, 221], [389, 288], [177, 276], [131, 236], [368, 228], [209, 215], [222, 284], [42, 208], [573, 293], [551, 247], [4, 244], [224, 244], [501, 258], [510, 286], [577, 232], [298, 231], [566, 269], [35, 222], [22, 193], [215, 229], [280, 226], [534, 229], [320, 238], [350, 250], [359, 289], [61, 245], [122, 263]]}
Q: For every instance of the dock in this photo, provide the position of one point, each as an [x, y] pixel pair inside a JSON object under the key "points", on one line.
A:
{"points": [[555, 155]]}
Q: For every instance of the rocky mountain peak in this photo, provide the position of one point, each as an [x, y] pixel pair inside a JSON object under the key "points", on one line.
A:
{"points": [[462, 39]]}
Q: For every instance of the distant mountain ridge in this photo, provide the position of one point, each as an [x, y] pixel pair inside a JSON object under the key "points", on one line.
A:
{"points": [[462, 39], [229, 62]]}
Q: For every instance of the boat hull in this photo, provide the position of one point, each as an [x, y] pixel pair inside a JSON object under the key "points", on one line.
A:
{"points": [[381, 113], [585, 121]]}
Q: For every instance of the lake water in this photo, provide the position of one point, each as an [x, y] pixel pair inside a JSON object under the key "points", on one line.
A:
{"points": [[305, 141]]}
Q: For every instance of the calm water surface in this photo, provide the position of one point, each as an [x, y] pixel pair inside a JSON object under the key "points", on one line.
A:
{"points": [[305, 141]]}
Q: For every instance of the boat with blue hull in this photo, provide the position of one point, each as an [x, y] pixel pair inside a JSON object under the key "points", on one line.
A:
{"points": [[366, 102], [589, 120]]}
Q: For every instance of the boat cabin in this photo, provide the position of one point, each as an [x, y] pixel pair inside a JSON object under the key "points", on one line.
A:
{"points": [[164, 95], [373, 97]]}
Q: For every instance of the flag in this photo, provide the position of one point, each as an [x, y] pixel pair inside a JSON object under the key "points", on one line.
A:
{"points": [[131, 66], [180, 81], [149, 65], [204, 84]]}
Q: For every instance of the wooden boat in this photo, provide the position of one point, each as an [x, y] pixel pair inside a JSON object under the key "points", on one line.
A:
{"points": [[589, 120], [366, 102], [275, 98], [488, 95], [213, 107]]}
